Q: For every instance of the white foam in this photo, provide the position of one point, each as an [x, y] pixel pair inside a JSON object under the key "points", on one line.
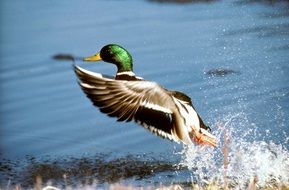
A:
{"points": [[266, 161]]}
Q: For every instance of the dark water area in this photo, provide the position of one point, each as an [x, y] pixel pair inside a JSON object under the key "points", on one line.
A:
{"points": [[230, 57]]}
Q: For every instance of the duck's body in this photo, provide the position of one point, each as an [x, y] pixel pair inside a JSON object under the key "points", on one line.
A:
{"points": [[169, 114]]}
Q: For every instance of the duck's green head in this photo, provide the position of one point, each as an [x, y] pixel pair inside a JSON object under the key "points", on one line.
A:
{"points": [[113, 53]]}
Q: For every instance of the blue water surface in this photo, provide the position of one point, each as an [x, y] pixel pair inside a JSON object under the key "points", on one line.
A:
{"points": [[43, 111]]}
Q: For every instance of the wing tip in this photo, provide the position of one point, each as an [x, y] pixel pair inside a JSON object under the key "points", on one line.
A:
{"points": [[83, 72]]}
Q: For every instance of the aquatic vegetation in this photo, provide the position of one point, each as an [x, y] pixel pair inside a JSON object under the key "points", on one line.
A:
{"points": [[64, 57], [84, 170], [220, 72]]}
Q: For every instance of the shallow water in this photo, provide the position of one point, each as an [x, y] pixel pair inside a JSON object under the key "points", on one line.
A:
{"points": [[182, 46]]}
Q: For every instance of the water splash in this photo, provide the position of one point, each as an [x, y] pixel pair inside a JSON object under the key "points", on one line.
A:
{"points": [[240, 159]]}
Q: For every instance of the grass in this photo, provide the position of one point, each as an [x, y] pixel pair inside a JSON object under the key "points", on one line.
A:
{"points": [[118, 186]]}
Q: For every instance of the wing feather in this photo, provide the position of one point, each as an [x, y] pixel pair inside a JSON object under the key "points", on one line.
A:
{"points": [[145, 102]]}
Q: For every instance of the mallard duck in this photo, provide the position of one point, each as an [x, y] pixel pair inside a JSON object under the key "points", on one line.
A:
{"points": [[168, 114]]}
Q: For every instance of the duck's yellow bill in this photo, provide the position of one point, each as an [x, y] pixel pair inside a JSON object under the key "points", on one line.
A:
{"points": [[95, 57]]}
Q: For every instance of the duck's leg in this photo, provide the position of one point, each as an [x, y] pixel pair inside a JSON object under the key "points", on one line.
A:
{"points": [[203, 137]]}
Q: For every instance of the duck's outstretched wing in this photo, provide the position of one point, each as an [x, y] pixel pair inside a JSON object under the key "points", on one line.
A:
{"points": [[145, 102]]}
